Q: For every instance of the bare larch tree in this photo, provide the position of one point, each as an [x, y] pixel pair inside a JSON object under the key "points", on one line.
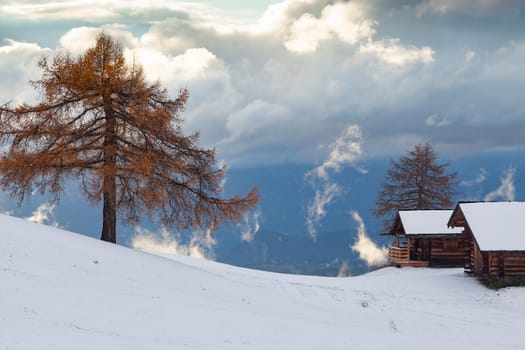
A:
{"points": [[416, 181], [101, 122]]}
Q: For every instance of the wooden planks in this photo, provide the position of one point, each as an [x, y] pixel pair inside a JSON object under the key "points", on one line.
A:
{"points": [[398, 254], [502, 264], [412, 263]]}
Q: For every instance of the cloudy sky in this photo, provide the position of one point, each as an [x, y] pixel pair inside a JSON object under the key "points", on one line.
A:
{"points": [[276, 82]]}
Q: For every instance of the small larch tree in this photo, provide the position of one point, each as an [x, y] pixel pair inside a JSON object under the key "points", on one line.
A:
{"points": [[416, 181], [101, 122]]}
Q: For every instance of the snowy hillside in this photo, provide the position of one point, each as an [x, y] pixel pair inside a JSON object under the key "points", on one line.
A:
{"points": [[60, 290]]}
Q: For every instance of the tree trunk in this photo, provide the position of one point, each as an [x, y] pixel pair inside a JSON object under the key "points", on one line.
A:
{"points": [[109, 213]]}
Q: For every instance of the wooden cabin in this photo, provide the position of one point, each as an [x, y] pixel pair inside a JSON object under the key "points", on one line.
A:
{"points": [[494, 236], [422, 238]]}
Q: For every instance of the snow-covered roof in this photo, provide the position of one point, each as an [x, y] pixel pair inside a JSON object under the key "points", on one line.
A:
{"points": [[496, 225], [427, 222]]}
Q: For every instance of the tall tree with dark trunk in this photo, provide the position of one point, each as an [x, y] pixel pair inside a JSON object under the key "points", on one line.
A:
{"points": [[101, 122], [416, 181]]}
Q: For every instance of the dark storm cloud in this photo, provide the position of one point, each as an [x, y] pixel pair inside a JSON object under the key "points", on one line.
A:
{"points": [[281, 89]]}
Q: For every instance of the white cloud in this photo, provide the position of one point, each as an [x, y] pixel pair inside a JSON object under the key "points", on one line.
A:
{"points": [[18, 65], [101, 10], [345, 151], [249, 225], [346, 21], [437, 6], [506, 190], [481, 177], [44, 215], [392, 52], [478, 180], [367, 249], [64, 9], [191, 64], [259, 126], [255, 117], [306, 34], [79, 39], [262, 102], [279, 16], [469, 55], [344, 270], [443, 7], [250, 95], [434, 120], [17, 47], [349, 20], [316, 210], [200, 245]]}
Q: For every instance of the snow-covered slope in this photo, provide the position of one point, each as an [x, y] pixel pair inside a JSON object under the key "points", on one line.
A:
{"points": [[60, 290]]}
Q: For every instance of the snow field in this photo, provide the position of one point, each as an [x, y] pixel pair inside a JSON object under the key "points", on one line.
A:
{"points": [[60, 290]]}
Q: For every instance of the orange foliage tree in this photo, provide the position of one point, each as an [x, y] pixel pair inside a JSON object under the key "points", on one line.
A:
{"points": [[101, 122]]}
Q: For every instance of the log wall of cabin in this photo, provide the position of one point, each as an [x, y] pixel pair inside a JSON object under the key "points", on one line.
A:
{"points": [[505, 264], [447, 251], [478, 260], [468, 249]]}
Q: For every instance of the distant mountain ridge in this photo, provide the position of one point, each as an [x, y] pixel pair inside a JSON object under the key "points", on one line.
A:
{"points": [[329, 255]]}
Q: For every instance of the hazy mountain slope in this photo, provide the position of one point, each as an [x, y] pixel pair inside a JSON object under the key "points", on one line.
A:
{"points": [[285, 196], [329, 255], [59, 290]]}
